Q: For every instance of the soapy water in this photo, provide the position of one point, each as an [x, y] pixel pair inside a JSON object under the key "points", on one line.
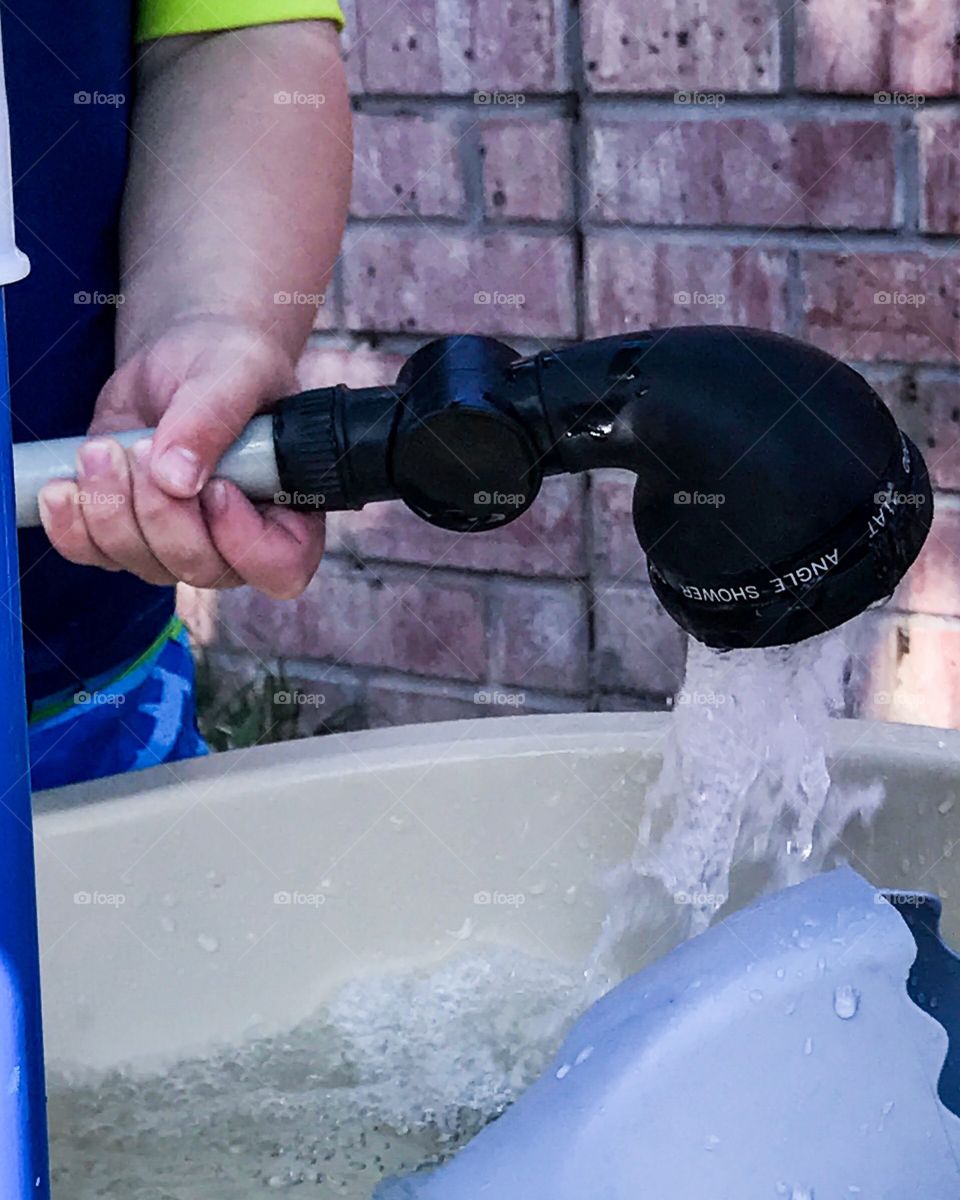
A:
{"points": [[393, 1074], [744, 782], [396, 1073]]}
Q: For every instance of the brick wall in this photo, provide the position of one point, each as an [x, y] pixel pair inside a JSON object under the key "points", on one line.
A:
{"points": [[618, 164]]}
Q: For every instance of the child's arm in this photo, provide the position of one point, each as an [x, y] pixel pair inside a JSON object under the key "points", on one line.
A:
{"points": [[233, 214]]}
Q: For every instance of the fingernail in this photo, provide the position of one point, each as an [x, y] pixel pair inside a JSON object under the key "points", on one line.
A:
{"points": [[55, 497], [215, 495], [179, 469], [96, 458], [141, 451]]}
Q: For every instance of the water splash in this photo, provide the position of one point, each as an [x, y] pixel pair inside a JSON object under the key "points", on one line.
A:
{"points": [[744, 781]]}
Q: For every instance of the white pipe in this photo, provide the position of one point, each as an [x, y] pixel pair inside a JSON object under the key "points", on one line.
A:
{"points": [[14, 264], [250, 463]]}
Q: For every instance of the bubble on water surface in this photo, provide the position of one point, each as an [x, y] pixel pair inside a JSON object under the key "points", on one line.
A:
{"points": [[394, 1073]]}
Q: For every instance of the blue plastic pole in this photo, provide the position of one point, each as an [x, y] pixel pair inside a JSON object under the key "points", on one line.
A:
{"points": [[23, 1122]]}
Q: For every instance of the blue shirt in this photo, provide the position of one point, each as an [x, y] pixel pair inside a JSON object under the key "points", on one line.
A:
{"points": [[69, 85]]}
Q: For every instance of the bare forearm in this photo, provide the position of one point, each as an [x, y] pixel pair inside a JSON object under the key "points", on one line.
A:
{"points": [[234, 196]]}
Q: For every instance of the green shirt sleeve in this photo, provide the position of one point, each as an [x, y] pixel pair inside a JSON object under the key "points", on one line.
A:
{"points": [[164, 18]]}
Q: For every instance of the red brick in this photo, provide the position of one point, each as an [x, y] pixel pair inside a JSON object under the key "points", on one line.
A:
{"points": [[923, 46], [616, 553], [539, 636], [840, 48], [638, 647], [457, 47], [359, 367], [876, 45], [527, 170], [395, 48], [849, 310], [435, 281], [670, 45], [940, 171], [743, 171], [406, 166], [928, 411], [360, 617], [547, 540], [915, 672], [932, 585], [635, 281]]}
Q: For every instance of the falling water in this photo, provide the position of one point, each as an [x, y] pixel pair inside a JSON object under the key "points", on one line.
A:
{"points": [[744, 782]]}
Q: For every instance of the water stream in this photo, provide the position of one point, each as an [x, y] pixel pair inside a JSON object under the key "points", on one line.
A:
{"points": [[744, 783]]}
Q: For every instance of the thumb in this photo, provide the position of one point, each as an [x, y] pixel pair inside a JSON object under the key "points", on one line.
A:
{"points": [[205, 416]]}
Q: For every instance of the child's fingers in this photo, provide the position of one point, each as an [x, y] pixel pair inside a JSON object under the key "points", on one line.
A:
{"points": [[175, 531], [61, 514], [106, 497], [273, 549]]}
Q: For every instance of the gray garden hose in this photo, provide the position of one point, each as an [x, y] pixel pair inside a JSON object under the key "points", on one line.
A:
{"points": [[250, 463]]}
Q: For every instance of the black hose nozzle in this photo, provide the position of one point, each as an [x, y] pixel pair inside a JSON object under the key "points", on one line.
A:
{"points": [[776, 498]]}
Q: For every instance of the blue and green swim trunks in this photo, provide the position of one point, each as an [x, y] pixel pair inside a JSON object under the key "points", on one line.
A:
{"points": [[142, 715]]}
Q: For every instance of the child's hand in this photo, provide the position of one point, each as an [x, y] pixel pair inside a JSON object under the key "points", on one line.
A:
{"points": [[152, 510]]}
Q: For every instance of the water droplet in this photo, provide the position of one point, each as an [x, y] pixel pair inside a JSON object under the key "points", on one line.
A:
{"points": [[846, 1001], [583, 1056], [756, 996], [168, 924], [208, 942], [465, 931], [945, 806], [808, 1046], [564, 1071], [711, 1142]]}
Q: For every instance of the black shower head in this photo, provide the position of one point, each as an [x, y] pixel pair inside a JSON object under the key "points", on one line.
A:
{"points": [[776, 498]]}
